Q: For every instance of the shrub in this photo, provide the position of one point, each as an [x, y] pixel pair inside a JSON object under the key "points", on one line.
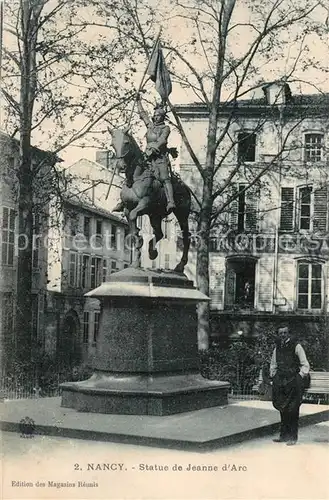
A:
{"points": [[43, 373], [240, 362], [234, 364]]}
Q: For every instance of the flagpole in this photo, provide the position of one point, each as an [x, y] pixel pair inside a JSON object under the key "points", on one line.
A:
{"points": [[111, 181], [134, 103]]}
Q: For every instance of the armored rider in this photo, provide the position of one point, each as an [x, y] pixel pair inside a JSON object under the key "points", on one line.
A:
{"points": [[156, 151]]}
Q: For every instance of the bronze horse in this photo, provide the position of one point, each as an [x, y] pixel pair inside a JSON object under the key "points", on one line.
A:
{"points": [[142, 194]]}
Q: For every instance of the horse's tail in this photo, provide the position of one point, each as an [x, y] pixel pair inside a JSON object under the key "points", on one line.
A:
{"points": [[181, 189], [176, 177]]}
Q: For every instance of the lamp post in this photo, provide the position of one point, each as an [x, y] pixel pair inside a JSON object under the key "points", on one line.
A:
{"points": [[1, 49]]}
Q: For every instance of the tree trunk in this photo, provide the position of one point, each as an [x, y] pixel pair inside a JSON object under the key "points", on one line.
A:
{"points": [[203, 266], [24, 265]]}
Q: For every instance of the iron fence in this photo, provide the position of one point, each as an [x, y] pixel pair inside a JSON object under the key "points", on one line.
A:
{"points": [[36, 384]]}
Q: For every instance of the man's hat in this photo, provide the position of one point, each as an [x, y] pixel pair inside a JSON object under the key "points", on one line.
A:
{"points": [[160, 108]]}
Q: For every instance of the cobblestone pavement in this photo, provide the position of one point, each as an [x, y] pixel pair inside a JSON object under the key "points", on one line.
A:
{"points": [[48, 467]]}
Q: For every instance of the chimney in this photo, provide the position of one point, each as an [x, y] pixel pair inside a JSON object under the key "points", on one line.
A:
{"points": [[103, 157]]}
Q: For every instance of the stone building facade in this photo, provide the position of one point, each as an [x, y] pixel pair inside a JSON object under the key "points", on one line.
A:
{"points": [[270, 246], [78, 242]]}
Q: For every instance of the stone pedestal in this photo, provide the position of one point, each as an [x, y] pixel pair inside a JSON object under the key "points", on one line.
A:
{"points": [[146, 361]]}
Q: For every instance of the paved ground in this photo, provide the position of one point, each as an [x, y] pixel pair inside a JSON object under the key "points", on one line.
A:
{"points": [[195, 430], [267, 470]]}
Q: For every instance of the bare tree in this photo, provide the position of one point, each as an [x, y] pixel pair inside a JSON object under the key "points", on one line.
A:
{"points": [[222, 52]]}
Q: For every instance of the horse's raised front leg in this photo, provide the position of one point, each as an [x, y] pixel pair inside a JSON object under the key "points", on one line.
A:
{"points": [[155, 221], [137, 244], [182, 218], [142, 204]]}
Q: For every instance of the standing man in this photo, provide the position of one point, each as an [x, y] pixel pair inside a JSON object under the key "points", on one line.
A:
{"points": [[288, 370], [156, 151]]}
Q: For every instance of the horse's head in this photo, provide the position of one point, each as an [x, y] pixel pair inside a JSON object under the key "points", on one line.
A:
{"points": [[121, 143], [127, 152]]}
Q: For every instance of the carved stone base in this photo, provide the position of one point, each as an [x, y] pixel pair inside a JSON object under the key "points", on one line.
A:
{"points": [[147, 359], [144, 395]]}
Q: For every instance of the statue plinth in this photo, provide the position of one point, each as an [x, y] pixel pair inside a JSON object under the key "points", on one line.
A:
{"points": [[147, 359]]}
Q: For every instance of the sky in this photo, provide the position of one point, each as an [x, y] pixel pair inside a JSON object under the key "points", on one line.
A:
{"points": [[179, 30]]}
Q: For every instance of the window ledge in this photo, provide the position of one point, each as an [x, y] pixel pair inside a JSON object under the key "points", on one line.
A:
{"points": [[316, 163]]}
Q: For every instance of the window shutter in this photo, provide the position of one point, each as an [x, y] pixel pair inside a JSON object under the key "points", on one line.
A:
{"points": [[217, 280], [327, 276], [265, 283], [320, 217], [252, 197], [287, 209], [233, 208]]}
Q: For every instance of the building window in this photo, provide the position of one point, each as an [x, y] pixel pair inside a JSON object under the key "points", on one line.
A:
{"points": [[96, 326], [113, 266], [114, 237], [240, 283], [244, 209], [95, 271], [8, 236], [305, 208], [167, 261], [85, 327], [8, 316], [74, 224], [99, 271], [287, 209], [35, 315], [246, 147], [73, 269], [166, 229], [104, 276], [93, 189], [86, 227], [85, 271], [241, 207], [313, 147], [309, 286]]}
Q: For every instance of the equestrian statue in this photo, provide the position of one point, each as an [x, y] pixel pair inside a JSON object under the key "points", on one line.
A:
{"points": [[151, 188]]}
